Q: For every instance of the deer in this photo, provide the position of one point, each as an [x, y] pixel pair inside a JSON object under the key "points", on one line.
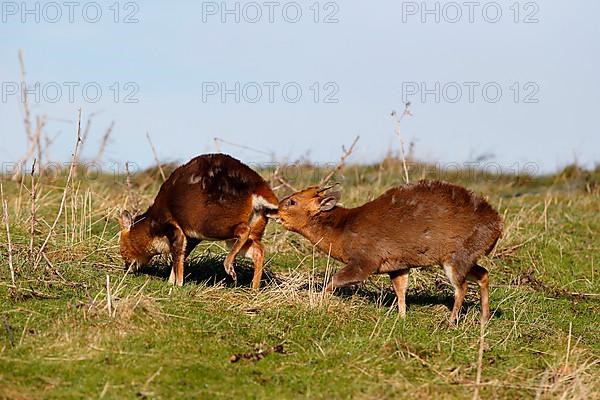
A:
{"points": [[212, 197], [412, 226]]}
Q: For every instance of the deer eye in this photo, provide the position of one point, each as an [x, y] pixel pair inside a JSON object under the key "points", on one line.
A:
{"points": [[291, 203]]}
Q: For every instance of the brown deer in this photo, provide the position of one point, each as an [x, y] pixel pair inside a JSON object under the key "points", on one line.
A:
{"points": [[413, 226], [212, 197]]}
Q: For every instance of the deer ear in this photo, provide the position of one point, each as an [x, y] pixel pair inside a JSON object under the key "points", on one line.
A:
{"points": [[125, 220], [330, 201]]}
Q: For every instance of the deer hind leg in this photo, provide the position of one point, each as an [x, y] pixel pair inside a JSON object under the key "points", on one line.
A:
{"points": [[481, 276], [400, 284], [241, 233], [255, 251], [178, 243], [351, 274], [459, 282]]}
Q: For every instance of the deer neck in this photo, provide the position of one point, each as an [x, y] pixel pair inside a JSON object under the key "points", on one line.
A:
{"points": [[326, 230]]}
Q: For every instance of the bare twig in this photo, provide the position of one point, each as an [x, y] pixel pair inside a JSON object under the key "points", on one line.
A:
{"points": [[86, 131], [128, 183], [40, 122], [104, 142], [33, 212], [566, 367], [162, 173], [480, 359], [108, 296], [241, 146], [30, 136], [65, 191], [397, 121], [26, 111], [342, 164], [149, 381], [277, 176], [7, 224], [258, 354]]}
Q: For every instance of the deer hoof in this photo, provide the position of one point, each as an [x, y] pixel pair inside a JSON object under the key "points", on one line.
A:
{"points": [[230, 270]]}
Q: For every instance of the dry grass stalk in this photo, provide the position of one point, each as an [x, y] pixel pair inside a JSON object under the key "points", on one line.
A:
{"points": [[33, 138], [342, 163], [397, 121], [65, 191], [480, 359], [86, 131], [7, 224], [33, 212], [145, 389], [240, 146], [160, 169], [130, 194], [26, 111], [108, 297], [277, 177], [104, 142], [40, 123]]}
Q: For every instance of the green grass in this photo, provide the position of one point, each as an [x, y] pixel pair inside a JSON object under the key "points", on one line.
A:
{"points": [[57, 339]]}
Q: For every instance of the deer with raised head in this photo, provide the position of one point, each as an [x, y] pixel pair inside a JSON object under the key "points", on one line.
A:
{"points": [[412, 226], [212, 197]]}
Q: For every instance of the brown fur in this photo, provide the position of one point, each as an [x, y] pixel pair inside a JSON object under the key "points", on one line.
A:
{"points": [[212, 197], [418, 225]]}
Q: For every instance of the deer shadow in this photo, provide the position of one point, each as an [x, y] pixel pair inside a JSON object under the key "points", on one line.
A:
{"points": [[386, 297], [209, 270]]}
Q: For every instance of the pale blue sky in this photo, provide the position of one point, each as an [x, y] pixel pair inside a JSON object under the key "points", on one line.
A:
{"points": [[368, 54]]}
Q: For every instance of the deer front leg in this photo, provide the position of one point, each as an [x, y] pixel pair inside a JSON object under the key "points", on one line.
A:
{"points": [[352, 274], [242, 231], [400, 284], [178, 243], [459, 282]]}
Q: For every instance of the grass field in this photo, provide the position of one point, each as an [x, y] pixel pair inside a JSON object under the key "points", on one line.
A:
{"points": [[63, 336]]}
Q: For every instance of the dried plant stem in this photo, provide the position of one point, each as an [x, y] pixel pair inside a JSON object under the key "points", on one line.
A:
{"points": [[479, 360], [104, 142], [129, 188], [86, 131], [342, 164], [7, 224], [26, 111], [162, 173], [40, 122], [108, 297], [277, 176], [241, 146], [65, 191], [33, 212], [398, 120], [31, 142], [566, 367]]}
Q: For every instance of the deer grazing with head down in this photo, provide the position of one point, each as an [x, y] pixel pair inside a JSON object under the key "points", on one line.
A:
{"points": [[212, 197], [413, 226]]}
